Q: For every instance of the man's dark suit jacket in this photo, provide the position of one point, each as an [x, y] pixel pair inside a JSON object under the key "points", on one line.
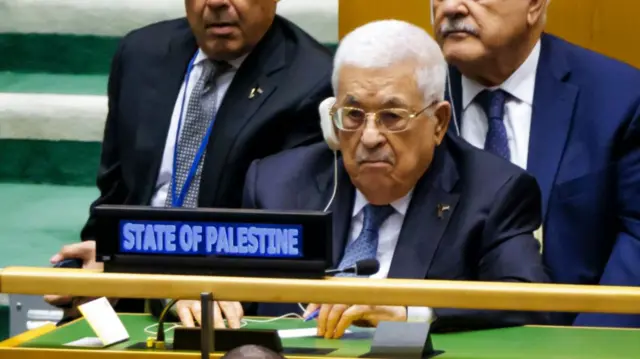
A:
{"points": [[291, 68], [486, 235], [584, 151]]}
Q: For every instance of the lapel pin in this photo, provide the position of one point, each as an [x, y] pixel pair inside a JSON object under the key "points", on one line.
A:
{"points": [[442, 208], [256, 90]]}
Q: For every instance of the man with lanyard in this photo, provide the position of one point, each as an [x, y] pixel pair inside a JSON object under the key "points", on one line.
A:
{"points": [[192, 102]]}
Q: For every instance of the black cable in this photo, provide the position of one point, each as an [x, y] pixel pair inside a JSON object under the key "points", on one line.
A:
{"points": [[161, 319]]}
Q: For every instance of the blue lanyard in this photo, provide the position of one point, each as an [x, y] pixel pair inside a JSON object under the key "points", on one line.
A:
{"points": [[177, 201]]}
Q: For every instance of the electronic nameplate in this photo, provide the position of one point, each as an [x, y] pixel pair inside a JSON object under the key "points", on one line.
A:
{"points": [[207, 241]]}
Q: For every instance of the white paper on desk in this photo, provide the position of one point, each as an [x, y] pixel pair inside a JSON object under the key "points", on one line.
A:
{"points": [[87, 342], [104, 321], [300, 333]]}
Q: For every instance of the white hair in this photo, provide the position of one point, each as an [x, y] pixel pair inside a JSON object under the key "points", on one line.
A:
{"points": [[387, 42]]}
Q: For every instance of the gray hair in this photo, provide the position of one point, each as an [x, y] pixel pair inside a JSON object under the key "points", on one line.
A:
{"points": [[386, 42], [251, 351]]}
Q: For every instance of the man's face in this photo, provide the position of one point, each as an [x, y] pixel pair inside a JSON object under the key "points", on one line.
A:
{"points": [[228, 29], [473, 30], [385, 165]]}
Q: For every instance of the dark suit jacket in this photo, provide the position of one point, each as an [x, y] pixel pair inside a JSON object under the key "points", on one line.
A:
{"points": [[291, 68], [584, 150], [486, 235]]}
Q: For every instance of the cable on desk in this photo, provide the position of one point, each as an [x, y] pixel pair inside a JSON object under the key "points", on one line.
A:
{"points": [[159, 341]]}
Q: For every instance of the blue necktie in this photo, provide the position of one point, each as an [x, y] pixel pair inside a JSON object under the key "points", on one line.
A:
{"points": [[492, 103], [366, 245]]}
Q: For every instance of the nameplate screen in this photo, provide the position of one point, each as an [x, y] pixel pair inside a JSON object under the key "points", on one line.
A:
{"points": [[213, 241], [211, 238]]}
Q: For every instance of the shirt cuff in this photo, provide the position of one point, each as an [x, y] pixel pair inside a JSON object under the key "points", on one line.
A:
{"points": [[420, 314]]}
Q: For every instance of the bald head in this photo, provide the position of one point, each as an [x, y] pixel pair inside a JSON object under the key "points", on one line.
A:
{"points": [[252, 352]]}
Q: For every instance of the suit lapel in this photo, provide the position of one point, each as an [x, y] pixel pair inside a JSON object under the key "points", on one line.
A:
{"points": [[341, 206], [152, 132], [424, 224], [554, 102], [260, 70]]}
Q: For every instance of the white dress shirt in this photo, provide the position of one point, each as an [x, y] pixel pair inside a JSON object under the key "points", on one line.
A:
{"points": [[387, 240], [518, 109], [222, 85]]}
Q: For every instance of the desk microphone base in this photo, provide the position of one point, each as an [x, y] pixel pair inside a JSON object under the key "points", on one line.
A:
{"points": [[226, 339], [402, 340]]}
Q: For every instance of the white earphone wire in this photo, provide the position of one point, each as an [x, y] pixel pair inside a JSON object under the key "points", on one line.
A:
{"points": [[453, 106], [335, 181]]}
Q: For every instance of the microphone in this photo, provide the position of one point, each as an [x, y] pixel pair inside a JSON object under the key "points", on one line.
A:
{"points": [[368, 266]]}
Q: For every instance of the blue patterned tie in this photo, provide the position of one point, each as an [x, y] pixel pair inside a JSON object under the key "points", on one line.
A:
{"points": [[492, 103], [366, 245], [199, 114]]}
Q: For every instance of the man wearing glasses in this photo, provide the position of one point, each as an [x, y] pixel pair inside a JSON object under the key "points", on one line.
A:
{"points": [[402, 191]]}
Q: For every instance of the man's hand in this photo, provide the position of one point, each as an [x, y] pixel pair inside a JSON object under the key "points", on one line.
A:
{"points": [[334, 319], [85, 251], [188, 310]]}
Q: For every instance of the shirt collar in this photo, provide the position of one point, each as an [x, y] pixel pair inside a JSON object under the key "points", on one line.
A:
{"points": [[520, 84], [235, 63], [400, 205]]}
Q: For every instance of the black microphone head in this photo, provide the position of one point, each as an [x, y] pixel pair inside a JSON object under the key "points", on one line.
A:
{"points": [[368, 266]]}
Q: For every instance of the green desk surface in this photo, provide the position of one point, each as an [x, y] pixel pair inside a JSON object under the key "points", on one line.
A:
{"points": [[517, 343]]}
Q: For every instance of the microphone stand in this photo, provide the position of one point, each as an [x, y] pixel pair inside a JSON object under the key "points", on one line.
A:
{"points": [[206, 333], [207, 339]]}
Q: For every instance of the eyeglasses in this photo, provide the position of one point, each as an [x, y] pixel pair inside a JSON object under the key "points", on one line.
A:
{"points": [[390, 120]]}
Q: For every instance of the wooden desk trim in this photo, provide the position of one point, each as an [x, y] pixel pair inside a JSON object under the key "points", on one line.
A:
{"points": [[431, 293], [26, 336]]}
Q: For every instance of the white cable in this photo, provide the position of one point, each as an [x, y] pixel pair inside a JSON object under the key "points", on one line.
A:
{"points": [[148, 328], [243, 322], [288, 315], [333, 196], [453, 106], [335, 181]]}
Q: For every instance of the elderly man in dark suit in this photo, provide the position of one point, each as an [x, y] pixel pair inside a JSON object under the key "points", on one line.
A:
{"points": [[423, 203], [193, 101], [571, 118]]}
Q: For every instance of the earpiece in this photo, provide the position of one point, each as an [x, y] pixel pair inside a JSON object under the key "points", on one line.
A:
{"points": [[329, 134], [328, 131]]}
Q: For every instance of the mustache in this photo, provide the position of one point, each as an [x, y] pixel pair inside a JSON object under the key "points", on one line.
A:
{"points": [[457, 25], [380, 156]]}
